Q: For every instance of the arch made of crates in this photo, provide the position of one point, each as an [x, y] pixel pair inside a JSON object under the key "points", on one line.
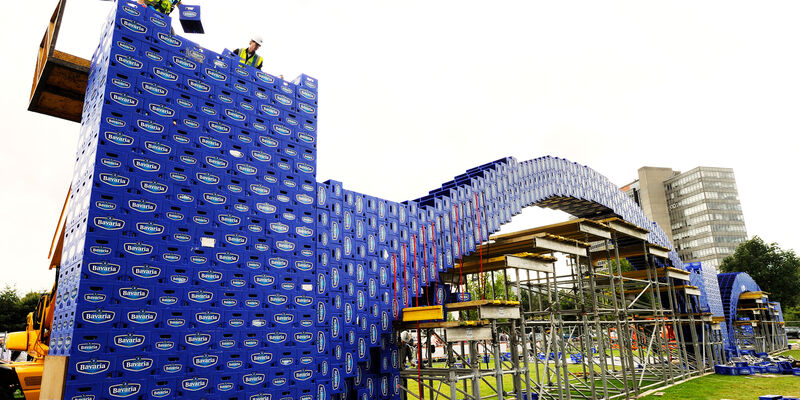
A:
{"points": [[550, 182], [731, 286]]}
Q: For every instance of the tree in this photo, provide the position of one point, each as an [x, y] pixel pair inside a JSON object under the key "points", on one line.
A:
{"points": [[14, 310], [776, 271]]}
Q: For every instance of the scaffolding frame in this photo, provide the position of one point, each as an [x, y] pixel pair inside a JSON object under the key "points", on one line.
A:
{"points": [[587, 330]]}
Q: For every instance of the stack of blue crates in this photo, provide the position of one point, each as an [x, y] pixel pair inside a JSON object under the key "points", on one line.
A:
{"points": [[203, 259]]}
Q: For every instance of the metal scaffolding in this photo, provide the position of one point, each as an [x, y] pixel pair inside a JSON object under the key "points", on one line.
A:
{"points": [[589, 327]]}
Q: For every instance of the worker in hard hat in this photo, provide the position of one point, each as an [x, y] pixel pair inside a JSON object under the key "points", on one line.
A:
{"points": [[248, 56], [163, 6]]}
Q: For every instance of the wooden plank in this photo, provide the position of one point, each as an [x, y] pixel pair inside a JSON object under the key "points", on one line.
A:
{"points": [[593, 229], [474, 304], [53, 378], [422, 313], [469, 333], [751, 296], [626, 228], [498, 312], [559, 246], [445, 324], [531, 263]]}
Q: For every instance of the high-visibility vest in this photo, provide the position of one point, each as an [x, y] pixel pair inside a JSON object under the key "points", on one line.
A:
{"points": [[164, 6], [254, 61]]}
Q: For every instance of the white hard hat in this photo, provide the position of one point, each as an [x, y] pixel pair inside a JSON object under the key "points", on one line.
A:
{"points": [[405, 336], [258, 39]]}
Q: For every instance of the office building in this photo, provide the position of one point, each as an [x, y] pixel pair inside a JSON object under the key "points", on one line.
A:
{"points": [[699, 210]]}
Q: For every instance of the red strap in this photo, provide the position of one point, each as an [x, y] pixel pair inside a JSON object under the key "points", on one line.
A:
{"points": [[394, 272], [435, 266], [416, 274], [480, 246], [460, 256]]}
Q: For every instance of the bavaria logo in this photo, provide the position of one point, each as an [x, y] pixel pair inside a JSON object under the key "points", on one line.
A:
{"points": [[303, 337], [282, 130], [266, 208], [97, 317], [205, 360], [227, 343], [121, 84], [304, 198], [261, 357], [262, 95], [245, 139], [270, 110], [227, 257], [284, 318], [185, 197], [207, 317], [124, 389], [124, 99], [153, 56], [238, 282], [138, 249], [197, 339], [283, 99], [307, 94], [224, 99], [146, 165], [188, 160], [184, 103], [184, 63], [131, 10], [157, 148], [94, 297], [250, 342], [275, 299], [133, 293], [199, 86], [304, 266], [200, 220], [208, 110], [168, 300], [89, 347], [179, 279], [240, 87], [235, 364], [133, 26], [181, 139], [150, 126], [229, 219], [303, 375], [321, 392], [278, 227], [260, 190], [216, 75], [307, 108], [320, 342], [198, 259], [284, 166], [253, 379], [146, 272], [161, 392], [235, 115], [154, 89], [129, 341], [207, 178], [230, 303], [154, 187], [283, 198], [209, 276], [191, 123], [277, 262], [170, 40], [279, 381], [263, 280], [200, 296], [264, 77], [137, 364], [246, 169], [108, 223], [167, 345], [116, 122], [241, 71], [305, 137], [114, 180], [219, 127], [177, 177], [216, 162], [225, 386], [209, 142], [303, 301], [269, 142], [142, 316], [284, 245], [276, 337], [176, 323], [214, 198], [235, 188], [303, 167], [194, 384], [165, 74], [158, 22], [288, 286], [162, 110]]}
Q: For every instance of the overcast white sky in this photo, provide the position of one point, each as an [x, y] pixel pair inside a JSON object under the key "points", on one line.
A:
{"points": [[413, 93]]}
